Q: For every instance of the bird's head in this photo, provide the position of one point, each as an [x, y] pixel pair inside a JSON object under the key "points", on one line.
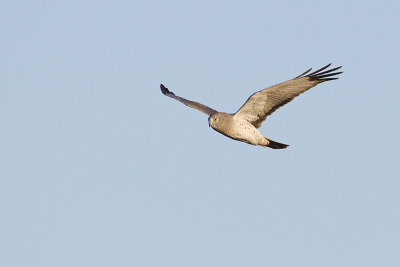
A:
{"points": [[213, 120], [218, 120]]}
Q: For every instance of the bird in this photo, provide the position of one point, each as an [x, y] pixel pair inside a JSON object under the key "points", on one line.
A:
{"points": [[243, 125]]}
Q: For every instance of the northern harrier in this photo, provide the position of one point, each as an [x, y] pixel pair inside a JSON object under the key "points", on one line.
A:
{"points": [[242, 125]]}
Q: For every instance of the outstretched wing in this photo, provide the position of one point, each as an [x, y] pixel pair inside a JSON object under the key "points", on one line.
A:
{"points": [[263, 103], [189, 103]]}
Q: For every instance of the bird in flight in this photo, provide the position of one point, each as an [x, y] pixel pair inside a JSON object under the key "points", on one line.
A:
{"points": [[242, 125]]}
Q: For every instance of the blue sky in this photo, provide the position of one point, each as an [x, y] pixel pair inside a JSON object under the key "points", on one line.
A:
{"points": [[98, 168]]}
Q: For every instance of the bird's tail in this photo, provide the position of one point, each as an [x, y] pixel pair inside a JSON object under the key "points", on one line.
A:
{"points": [[276, 145]]}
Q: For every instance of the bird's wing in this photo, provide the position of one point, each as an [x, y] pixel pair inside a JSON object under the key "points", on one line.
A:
{"points": [[263, 103], [192, 104]]}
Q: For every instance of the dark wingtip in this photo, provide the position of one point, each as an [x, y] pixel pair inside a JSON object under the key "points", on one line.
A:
{"points": [[164, 89], [323, 76]]}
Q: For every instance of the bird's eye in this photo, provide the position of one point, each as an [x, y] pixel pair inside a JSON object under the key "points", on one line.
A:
{"points": [[215, 118]]}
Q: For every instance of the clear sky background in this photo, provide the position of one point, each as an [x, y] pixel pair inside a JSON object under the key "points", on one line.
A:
{"points": [[98, 168]]}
